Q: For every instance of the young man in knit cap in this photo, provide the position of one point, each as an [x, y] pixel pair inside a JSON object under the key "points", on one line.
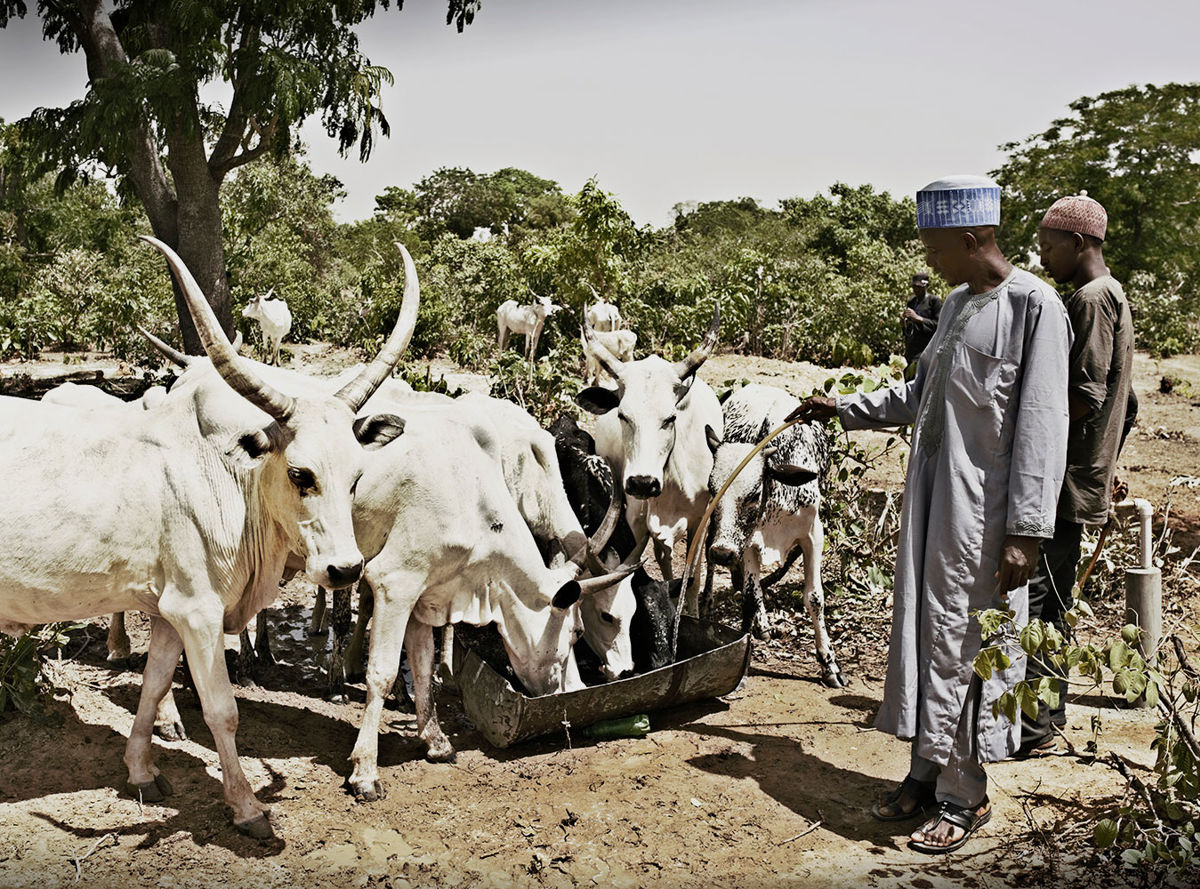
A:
{"points": [[989, 408], [920, 318], [1071, 238]]}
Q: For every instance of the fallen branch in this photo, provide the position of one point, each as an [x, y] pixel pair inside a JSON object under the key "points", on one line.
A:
{"points": [[96, 845], [805, 832]]}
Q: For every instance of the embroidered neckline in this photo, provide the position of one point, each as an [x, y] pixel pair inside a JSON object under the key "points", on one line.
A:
{"points": [[931, 422]]}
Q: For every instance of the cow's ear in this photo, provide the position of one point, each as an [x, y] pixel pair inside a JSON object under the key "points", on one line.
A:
{"points": [[682, 389], [710, 435], [675, 588], [790, 474], [377, 430], [251, 448], [597, 400], [567, 595]]}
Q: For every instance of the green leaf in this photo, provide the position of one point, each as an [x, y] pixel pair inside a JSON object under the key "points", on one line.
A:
{"points": [[1028, 700], [1118, 655], [1130, 634], [983, 664], [1008, 704], [1105, 833], [1032, 636]]}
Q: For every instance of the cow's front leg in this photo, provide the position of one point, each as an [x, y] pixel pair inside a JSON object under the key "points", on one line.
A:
{"points": [[358, 642], [339, 632], [814, 604], [418, 642], [200, 625], [316, 626], [754, 607], [145, 782], [388, 621]]}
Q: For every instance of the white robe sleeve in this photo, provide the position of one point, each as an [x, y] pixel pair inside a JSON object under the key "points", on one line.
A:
{"points": [[1039, 451]]}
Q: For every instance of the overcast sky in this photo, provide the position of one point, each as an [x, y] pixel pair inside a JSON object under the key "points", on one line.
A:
{"points": [[697, 100]]}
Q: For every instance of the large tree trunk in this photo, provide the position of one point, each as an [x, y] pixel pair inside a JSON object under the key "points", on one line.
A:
{"points": [[187, 217]]}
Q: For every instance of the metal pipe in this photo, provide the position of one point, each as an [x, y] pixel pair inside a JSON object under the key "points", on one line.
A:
{"points": [[1143, 589]]}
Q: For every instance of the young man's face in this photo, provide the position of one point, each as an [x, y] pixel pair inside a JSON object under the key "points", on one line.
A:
{"points": [[920, 284], [947, 253], [1059, 254]]}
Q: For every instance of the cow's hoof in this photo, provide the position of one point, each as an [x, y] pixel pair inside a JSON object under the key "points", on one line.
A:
{"points": [[338, 698], [171, 731], [441, 754], [256, 828], [762, 634], [369, 794], [150, 791], [120, 661], [834, 679]]}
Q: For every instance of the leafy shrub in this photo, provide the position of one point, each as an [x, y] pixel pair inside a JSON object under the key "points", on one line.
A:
{"points": [[21, 664], [1164, 314]]}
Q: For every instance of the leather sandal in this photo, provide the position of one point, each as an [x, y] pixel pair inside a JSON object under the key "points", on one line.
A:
{"points": [[913, 789], [963, 818]]}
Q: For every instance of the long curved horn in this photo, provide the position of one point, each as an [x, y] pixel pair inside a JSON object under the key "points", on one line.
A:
{"points": [[357, 391], [689, 365], [594, 585], [611, 362], [224, 359], [169, 352]]}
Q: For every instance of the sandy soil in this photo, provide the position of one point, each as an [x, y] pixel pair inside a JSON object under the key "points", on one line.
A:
{"points": [[770, 786]]}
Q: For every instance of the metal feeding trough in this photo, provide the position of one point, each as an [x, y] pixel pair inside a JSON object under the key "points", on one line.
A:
{"points": [[713, 661]]}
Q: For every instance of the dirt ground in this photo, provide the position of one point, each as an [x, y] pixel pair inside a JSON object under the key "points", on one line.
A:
{"points": [[770, 786]]}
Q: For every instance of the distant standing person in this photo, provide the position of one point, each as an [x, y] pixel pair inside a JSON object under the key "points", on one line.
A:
{"points": [[1071, 238], [920, 318], [989, 408]]}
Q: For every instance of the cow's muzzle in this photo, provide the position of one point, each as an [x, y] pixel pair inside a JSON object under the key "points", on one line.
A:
{"points": [[722, 554], [343, 575], [643, 486]]}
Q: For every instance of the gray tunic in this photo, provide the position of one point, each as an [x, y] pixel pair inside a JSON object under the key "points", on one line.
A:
{"points": [[989, 403]]}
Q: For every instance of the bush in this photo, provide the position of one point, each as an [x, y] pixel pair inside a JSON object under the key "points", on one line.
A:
{"points": [[21, 665], [1164, 314]]}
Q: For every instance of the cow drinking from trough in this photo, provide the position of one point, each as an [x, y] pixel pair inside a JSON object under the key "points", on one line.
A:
{"points": [[770, 510], [450, 545], [513, 317], [188, 512], [652, 431]]}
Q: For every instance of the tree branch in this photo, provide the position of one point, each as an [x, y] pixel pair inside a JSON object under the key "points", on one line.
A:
{"points": [[234, 132]]}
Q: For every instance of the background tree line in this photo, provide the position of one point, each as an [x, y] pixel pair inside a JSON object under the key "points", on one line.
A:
{"points": [[229, 186]]}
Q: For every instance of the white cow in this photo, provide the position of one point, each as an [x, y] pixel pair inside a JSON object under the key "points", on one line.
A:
{"points": [[512, 317], [275, 319], [657, 443], [770, 510], [188, 512], [602, 315], [620, 343], [451, 546]]}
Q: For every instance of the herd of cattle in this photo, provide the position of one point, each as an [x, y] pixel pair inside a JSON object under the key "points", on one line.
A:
{"points": [[193, 506]]}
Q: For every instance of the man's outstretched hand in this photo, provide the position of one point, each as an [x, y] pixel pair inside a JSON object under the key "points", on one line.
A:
{"points": [[819, 407]]}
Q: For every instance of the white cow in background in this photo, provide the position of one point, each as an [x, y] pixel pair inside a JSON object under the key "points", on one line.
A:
{"points": [[188, 512], [512, 317], [603, 316], [620, 343], [275, 318]]}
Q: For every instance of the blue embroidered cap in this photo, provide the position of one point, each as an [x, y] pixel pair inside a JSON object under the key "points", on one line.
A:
{"points": [[958, 202]]}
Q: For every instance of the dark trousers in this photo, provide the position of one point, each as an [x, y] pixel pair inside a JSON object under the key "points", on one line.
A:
{"points": [[1050, 596]]}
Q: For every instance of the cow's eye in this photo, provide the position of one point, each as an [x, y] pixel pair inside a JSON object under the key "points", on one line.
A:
{"points": [[621, 416], [303, 479], [668, 422], [607, 618], [354, 486]]}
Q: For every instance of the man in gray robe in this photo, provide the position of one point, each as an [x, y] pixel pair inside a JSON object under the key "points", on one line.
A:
{"points": [[989, 404]]}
